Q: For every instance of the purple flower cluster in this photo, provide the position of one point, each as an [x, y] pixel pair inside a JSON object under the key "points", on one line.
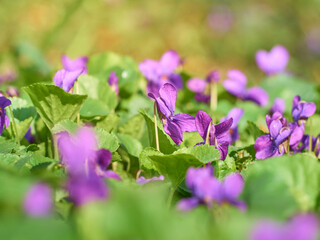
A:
{"points": [[160, 72], [85, 165], [72, 69], [236, 84], [207, 189], [280, 133]]}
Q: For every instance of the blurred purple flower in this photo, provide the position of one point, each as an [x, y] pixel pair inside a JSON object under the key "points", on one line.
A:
{"points": [[217, 135], [38, 200], [113, 82], [270, 145], [207, 189], [221, 19], [235, 114], [76, 64], [4, 120], [273, 62], [86, 166], [173, 124], [160, 72], [202, 86], [300, 227], [12, 92], [142, 180], [66, 79], [236, 84], [278, 106], [8, 77]]}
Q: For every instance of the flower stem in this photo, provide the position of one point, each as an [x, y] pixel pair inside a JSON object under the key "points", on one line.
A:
{"points": [[14, 125], [213, 96], [208, 134], [156, 126], [77, 91], [55, 148], [310, 135]]}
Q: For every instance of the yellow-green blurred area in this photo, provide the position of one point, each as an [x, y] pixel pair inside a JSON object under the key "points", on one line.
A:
{"points": [[209, 34]]}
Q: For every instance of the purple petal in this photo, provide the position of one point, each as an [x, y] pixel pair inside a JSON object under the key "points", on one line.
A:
{"points": [[169, 61], [176, 80], [309, 108], [278, 106], [235, 88], [112, 174], [142, 180], [185, 121], [4, 102], [113, 82], [79, 63], [153, 88], [275, 128], [266, 230], [264, 147], [151, 69], [38, 201], [222, 128], [233, 185], [201, 97], [103, 158], [66, 79], [303, 226], [197, 85], [297, 133], [257, 95], [213, 77], [296, 100], [273, 62], [169, 95], [202, 123], [187, 204], [283, 136], [174, 131], [236, 115], [237, 76], [86, 189], [223, 149]]}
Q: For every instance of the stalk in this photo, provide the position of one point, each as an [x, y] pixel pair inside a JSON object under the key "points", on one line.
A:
{"points": [[14, 125], [156, 126], [208, 133], [213, 96], [171, 193]]}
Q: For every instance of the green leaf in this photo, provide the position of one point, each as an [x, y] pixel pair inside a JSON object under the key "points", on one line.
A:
{"points": [[166, 145], [254, 130], [174, 167], [109, 123], [134, 127], [8, 146], [65, 125], [54, 104], [106, 140], [132, 145], [23, 114], [282, 186], [144, 158], [101, 97], [204, 153]]}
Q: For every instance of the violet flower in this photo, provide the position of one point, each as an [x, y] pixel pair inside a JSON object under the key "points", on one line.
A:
{"points": [[173, 124], [8, 77], [38, 200], [142, 180], [28, 136], [271, 144], [160, 72], [71, 65], [236, 84], [86, 166], [72, 69], [278, 106], [202, 86], [301, 111], [300, 227], [113, 82], [215, 134], [236, 115], [4, 120], [207, 189], [12, 92], [273, 62]]}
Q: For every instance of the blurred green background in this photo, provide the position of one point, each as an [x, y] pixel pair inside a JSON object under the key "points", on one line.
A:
{"points": [[210, 35]]}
